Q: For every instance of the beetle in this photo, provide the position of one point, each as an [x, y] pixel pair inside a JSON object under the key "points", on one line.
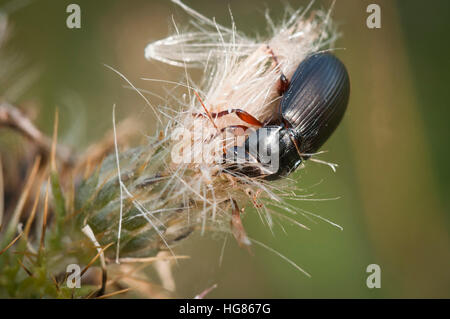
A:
{"points": [[312, 106]]}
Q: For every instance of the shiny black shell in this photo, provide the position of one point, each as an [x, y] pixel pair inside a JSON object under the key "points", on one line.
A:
{"points": [[316, 100], [310, 110]]}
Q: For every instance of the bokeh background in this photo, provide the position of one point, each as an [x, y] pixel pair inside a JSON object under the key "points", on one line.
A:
{"points": [[393, 181]]}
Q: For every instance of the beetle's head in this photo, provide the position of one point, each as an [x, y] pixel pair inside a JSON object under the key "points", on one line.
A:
{"points": [[269, 152]]}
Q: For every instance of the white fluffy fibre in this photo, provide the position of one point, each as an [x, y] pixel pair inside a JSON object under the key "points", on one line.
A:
{"points": [[239, 72]]}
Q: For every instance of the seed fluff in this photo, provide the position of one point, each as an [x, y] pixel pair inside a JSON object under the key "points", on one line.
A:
{"points": [[177, 182]]}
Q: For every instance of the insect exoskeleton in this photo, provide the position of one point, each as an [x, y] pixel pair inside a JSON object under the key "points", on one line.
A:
{"points": [[310, 110]]}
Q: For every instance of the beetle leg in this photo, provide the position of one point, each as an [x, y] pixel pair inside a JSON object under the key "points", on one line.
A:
{"points": [[234, 127], [237, 228], [283, 83], [229, 127], [246, 117], [243, 115], [297, 147], [274, 57], [226, 128]]}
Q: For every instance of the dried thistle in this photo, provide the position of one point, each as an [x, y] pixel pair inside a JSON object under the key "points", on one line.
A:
{"points": [[138, 203]]}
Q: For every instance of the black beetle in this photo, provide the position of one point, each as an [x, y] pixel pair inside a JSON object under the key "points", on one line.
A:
{"points": [[310, 110]]}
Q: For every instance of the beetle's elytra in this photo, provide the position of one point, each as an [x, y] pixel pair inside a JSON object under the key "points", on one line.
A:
{"points": [[311, 109]]}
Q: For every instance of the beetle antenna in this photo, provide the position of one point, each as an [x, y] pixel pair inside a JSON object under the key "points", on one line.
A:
{"points": [[206, 111], [331, 165], [210, 117]]}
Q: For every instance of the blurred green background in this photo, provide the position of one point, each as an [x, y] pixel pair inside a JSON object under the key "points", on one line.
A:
{"points": [[392, 147]]}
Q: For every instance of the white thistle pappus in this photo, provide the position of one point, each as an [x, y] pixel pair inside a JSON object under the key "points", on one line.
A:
{"points": [[240, 73]]}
